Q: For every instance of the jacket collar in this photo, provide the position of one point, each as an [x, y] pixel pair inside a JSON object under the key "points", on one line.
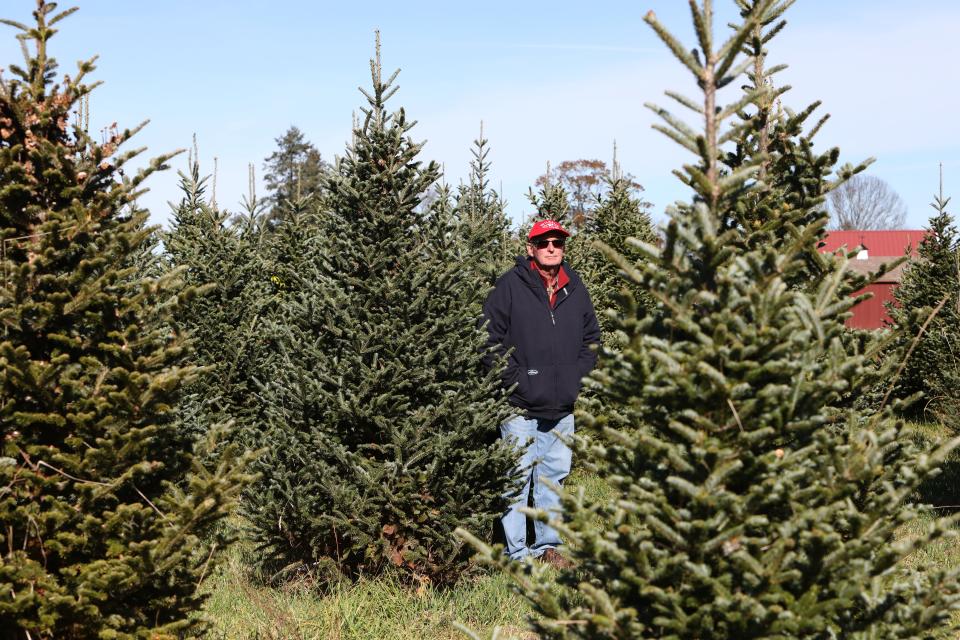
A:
{"points": [[531, 276], [562, 278]]}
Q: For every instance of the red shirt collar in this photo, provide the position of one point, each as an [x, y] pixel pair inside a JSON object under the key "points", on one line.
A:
{"points": [[562, 279]]}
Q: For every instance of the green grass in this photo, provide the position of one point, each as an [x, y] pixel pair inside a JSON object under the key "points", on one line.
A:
{"points": [[941, 554], [242, 608], [380, 608], [595, 489], [942, 491]]}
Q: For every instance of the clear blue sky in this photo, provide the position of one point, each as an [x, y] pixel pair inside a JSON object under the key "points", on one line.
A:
{"points": [[552, 81]]}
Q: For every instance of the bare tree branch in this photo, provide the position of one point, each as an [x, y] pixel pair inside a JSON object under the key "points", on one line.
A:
{"points": [[866, 202]]}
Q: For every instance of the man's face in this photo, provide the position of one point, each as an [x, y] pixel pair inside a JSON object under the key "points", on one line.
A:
{"points": [[547, 249]]}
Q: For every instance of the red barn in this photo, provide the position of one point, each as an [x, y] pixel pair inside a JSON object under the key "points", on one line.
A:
{"points": [[878, 247]]}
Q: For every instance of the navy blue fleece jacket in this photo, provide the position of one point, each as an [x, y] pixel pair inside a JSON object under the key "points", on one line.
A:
{"points": [[549, 350]]}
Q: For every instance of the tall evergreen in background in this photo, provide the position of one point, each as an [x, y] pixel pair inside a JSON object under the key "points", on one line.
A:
{"points": [[379, 408], [931, 281], [293, 172], [107, 516], [484, 229], [746, 505]]}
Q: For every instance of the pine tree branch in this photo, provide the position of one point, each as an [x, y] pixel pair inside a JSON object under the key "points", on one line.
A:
{"points": [[680, 128], [906, 358], [733, 74], [685, 101], [701, 29], [674, 45], [751, 97], [731, 48], [63, 14], [43, 463]]}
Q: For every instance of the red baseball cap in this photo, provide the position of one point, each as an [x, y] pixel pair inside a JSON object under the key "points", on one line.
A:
{"points": [[545, 226]]}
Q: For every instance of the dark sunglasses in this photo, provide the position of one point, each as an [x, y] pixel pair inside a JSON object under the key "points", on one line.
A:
{"points": [[543, 244]]}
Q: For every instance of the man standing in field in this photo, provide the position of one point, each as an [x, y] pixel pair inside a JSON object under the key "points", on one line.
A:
{"points": [[540, 316]]}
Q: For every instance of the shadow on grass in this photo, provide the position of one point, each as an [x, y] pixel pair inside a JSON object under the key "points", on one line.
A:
{"points": [[943, 490]]}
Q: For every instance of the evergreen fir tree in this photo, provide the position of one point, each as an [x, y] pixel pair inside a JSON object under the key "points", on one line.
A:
{"points": [[745, 504], [293, 172], [787, 194], [287, 250], [619, 216], [931, 280], [147, 259], [223, 258], [484, 229], [108, 518], [550, 202], [379, 408]]}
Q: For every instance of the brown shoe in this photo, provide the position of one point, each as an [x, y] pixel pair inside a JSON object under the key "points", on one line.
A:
{"points": [[555, 559]]}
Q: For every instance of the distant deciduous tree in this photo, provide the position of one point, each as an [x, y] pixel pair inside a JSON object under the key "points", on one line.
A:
{"points": [[866, 202], [584, 182]]}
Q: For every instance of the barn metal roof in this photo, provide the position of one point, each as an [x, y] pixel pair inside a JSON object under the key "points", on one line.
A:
{"points": [[878, 243], [882, 247]]}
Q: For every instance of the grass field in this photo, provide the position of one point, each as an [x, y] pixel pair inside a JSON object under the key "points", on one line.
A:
{"points": [[374, 609], [242, 608]]}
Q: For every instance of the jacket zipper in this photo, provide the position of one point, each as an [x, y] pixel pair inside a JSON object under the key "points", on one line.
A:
{"points": [[553, 321], [556, 367]]}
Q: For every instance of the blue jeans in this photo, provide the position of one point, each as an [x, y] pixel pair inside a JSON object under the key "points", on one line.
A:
{"points": [[546, 458]]}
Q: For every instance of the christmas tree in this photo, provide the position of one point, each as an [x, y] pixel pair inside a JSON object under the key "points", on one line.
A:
{"points": [[792, 180], [224, 259], [110, 520], [931, 282], [550, 202], [746, 504], [379, 408], [787, 196], [484, 234], [619, 216]]}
